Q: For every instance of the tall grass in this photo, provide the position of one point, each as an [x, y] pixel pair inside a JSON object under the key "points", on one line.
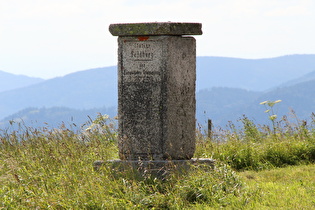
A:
{"points": [[52, 169], [256, 147]]}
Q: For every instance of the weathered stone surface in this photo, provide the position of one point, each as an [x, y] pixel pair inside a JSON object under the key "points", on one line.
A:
{"points": [[155, 28], [156, 102]]}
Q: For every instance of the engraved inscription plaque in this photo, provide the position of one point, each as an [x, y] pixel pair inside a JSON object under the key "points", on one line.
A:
{"points": [[141, 61], [141, 86]]}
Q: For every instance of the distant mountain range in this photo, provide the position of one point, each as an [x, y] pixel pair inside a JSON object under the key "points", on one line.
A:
{"points": [[252, 74], [227, 88], [11, 81], [81, 90], [54, 117]]}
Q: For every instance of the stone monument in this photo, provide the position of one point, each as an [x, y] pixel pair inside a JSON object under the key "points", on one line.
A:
{"points": [[156, 91]]}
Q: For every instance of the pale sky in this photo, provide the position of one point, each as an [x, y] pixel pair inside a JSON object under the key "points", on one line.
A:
{"points": [[50, 38]]}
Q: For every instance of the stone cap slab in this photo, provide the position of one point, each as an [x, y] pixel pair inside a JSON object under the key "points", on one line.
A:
{"points": [[155, 29]]}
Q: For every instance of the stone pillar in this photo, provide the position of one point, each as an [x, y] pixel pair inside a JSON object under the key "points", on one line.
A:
{"points": [[156, 90]]}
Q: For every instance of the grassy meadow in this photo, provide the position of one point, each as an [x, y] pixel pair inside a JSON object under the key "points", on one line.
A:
{"points": [[257, 167]]}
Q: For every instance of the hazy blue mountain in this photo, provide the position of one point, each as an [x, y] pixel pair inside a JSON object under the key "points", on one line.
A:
{"points": [[308, 77], [218, 104], [11, 81], [221, 105], [251, 74], [81, 90], [299, 97], [242, 85], [54, 117], [298, 103]]}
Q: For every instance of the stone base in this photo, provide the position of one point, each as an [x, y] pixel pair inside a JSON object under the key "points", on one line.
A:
{"points": [[155, 168]]}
